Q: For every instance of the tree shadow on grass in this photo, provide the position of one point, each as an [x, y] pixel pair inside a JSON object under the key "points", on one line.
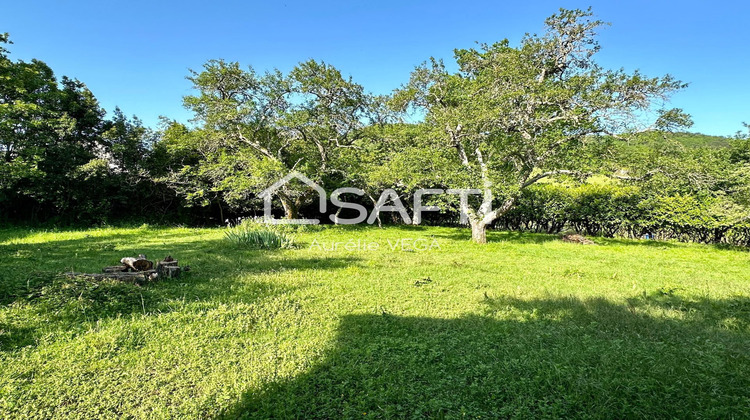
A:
{"points": [[543, 358], [522, 237], [74, 306], [8, 234], [464, 234], [641, 242], [24, 267], [43, 300], [13, 337]]}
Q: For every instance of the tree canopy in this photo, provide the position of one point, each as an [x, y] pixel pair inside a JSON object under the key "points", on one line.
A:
{"points": [[533, 135], [516, 115], [256, 128]]}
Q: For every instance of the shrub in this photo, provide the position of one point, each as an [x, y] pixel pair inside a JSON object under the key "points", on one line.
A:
{"points": [[255, 235]]}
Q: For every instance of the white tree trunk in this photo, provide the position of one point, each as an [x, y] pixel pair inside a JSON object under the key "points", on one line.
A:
{"points": [[478, 232]]}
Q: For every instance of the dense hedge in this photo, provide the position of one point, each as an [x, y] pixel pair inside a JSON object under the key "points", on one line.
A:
{"points": [[614, 210]]}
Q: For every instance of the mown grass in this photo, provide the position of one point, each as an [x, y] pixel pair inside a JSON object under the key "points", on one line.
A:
{"points": [[526, 326]]}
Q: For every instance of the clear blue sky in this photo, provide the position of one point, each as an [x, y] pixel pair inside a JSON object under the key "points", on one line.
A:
{"points": [[136, 54]]}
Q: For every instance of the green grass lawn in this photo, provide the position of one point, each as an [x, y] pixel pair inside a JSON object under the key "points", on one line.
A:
{"points": [[525, 326]]}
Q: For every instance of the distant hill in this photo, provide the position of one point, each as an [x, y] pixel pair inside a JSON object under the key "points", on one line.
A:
{"points": [[694, 140], [688, 140]]}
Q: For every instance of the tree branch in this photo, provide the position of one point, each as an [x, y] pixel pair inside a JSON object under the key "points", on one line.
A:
{"points": [[543, 175]]}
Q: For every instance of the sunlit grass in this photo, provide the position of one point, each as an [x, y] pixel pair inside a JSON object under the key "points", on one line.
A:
{"points": [[424, 323]]}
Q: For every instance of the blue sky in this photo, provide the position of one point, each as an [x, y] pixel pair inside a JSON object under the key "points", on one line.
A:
{"points": [[136, 54]]}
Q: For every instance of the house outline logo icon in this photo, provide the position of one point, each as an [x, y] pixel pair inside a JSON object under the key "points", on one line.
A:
{"points": [[268, 193]]}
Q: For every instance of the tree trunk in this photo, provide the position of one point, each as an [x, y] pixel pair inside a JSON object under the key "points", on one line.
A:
{"points": [[478, 232], [221, 211], [336, 216], [374, 204], [291, 211]]}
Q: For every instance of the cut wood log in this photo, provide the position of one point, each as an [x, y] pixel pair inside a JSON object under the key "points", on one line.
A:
{"points": [[136, 270], [168, 269], [137, 277], [143, 265], [578, 239], [115, 269], [138, 264], [128, 261]]}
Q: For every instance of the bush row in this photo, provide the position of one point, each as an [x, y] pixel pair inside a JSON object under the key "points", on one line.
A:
{"points": [[615, 210]]}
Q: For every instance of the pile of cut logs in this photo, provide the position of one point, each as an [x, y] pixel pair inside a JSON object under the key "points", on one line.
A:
{"points": [[137, 270], [577, 239]]}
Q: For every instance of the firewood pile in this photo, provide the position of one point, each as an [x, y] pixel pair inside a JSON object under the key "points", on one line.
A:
{"points": [[137, 270], [577, 239]]}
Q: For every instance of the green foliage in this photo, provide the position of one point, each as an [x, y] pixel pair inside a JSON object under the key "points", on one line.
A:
{"points": [[509, 117], [257, 128], [740, 150], [594, 209], [60, 159], [695, 140], [612, 209], [514, 115], [255, 235]]}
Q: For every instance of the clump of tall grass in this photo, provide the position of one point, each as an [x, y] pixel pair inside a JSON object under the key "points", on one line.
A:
{"points": [[254, 234]]}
